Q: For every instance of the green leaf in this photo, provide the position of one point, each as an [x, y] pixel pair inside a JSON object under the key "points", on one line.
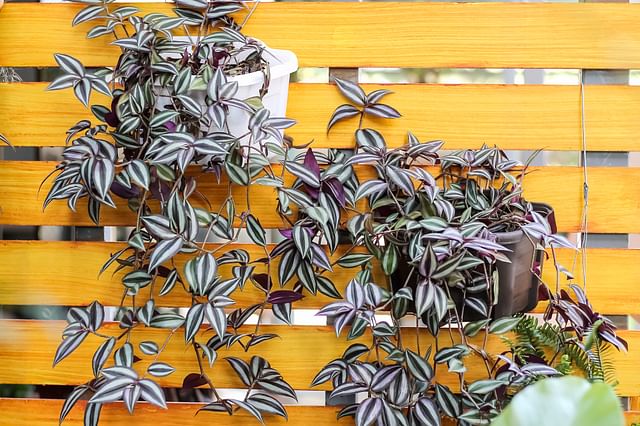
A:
{"points": [[390, 260], [341, 113], [139, 173], [136, 279], [124, 356], [447, 401], [369, 138], [248, 407], [169, 283], [426, 412], [242, 369], [425, 296], [162, 118], [302, 240], [69, 64], [255, 231], [82, 90], [419, 367], [71, 400], [472, 328], [351, 91], [87, 14], [566, 401], [167, 320], [102, 355], [92, 414], [160, 369], [484, 386], [68, 345], [112, 390], [267, 404], [164, 251], [148, 347], [152, 392], [237, 174], [194, 319], [304, 174], [353, 260], [503, 325]]}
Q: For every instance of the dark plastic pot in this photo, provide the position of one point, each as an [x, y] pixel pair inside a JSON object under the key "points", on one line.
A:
{"points": [[518, 286]]}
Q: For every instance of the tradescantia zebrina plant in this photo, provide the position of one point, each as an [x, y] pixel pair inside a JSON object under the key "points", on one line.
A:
{"points": [[438, 216], [164, 135]]}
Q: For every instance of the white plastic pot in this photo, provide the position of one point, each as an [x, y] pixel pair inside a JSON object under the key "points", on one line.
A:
{"points": [[281, 64]]}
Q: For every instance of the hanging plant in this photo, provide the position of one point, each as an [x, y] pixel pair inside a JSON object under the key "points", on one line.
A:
{"points": [[175, 120], [434, 224]]}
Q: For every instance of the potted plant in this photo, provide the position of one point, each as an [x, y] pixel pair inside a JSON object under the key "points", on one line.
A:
{"points": [[413, 205], [171, 125], [215, 76]]}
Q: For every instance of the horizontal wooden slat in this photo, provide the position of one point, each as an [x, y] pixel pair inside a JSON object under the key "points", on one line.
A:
{"points": [[48, 273], [632, 418], [613, 207], [34, 412], [43, 412], [510, 116], [27, 349], [377, 34]]}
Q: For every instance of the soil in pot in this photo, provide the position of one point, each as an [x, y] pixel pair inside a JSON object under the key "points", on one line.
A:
{"points": [[518, 285]]}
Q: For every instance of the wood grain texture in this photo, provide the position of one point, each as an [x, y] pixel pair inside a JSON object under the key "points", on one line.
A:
{"points": [[510, 116], [39, 412], [376, 34], [614, 208], [632, 418], [27, 349], [48, 273]]}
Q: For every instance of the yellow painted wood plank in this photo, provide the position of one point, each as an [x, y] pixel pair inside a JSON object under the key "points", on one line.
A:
{"points": [[613, 208], [41, 412], [27, 348], [48, 273], [510, 116], [45, 412], [377, 34], [632, 418]]}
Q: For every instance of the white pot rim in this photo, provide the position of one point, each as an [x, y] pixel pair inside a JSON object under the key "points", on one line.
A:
{"points": [[281, 63]]}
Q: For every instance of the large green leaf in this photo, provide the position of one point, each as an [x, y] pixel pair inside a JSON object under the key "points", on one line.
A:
{"points": [[567, 401]]}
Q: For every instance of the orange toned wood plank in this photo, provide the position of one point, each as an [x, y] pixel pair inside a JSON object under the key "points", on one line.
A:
{"points": [[41, 412], [298, 354], [613, 208], [377, 34], [48, 273], [510, 116], [632, 418]]}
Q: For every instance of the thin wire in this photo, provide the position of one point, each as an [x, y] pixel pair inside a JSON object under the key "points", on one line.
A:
{"points": [[585, 189], [246, 18]]}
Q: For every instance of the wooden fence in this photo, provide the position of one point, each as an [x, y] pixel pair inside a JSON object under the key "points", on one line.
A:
{"points": [[335, 35]]}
